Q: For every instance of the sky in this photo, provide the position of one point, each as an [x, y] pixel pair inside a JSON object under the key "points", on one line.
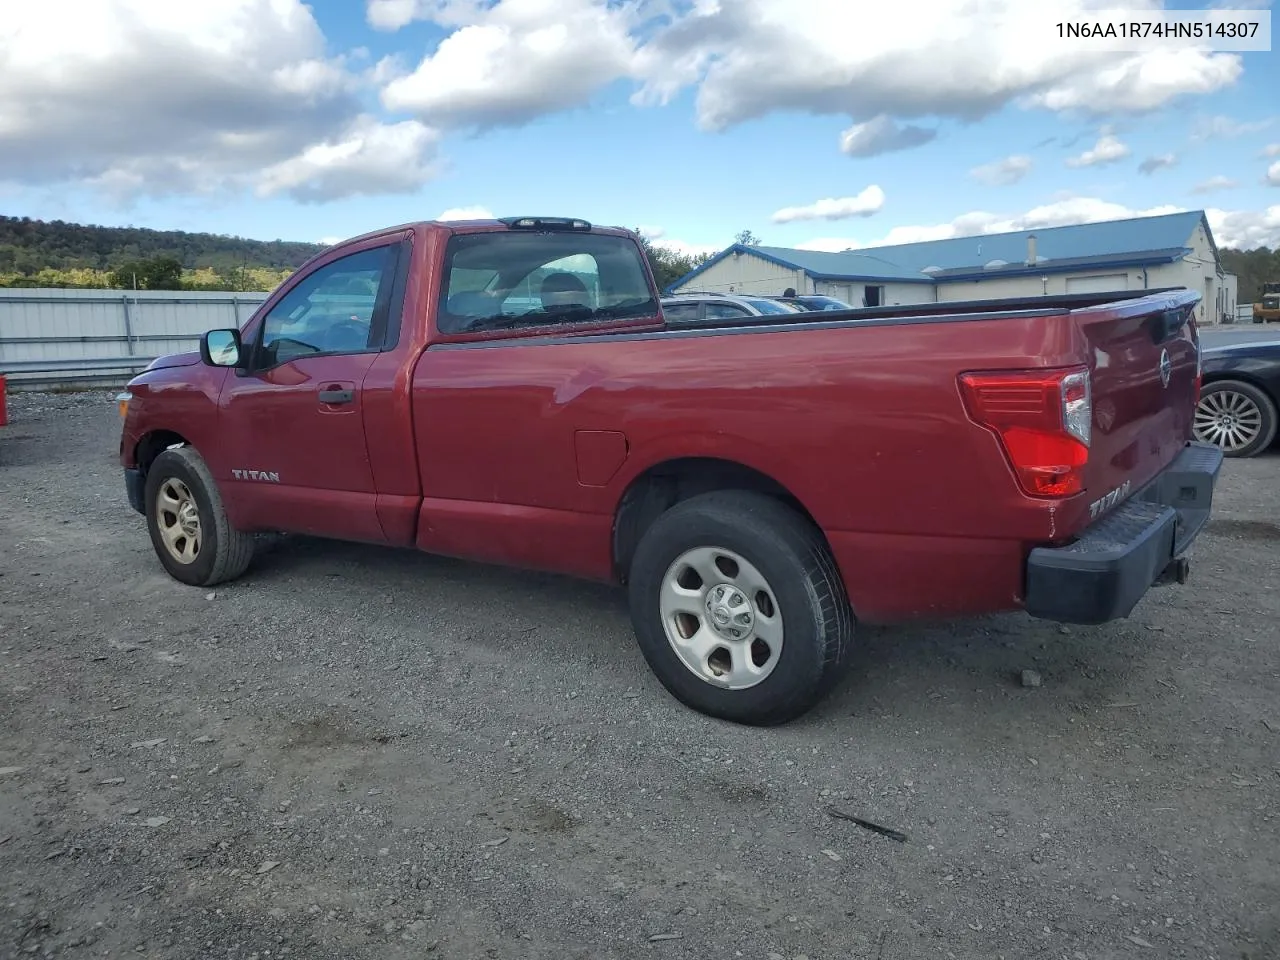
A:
{"points": [[812, 123]]}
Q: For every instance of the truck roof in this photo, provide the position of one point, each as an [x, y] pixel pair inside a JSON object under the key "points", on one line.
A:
{"points": [[494, 223]]}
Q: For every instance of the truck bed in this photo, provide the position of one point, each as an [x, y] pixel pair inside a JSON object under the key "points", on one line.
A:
{"points": [[937, 311]]}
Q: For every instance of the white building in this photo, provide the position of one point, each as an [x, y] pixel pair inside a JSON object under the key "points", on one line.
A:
{"points": [[1176, 250]]}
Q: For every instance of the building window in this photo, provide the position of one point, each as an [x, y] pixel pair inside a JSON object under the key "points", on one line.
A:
{"points": [[873, 296]]}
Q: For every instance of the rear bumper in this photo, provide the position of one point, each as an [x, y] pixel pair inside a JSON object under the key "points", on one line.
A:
{"points": [[1103, 574]]}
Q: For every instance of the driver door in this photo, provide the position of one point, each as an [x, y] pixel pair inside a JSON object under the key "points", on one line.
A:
{"points": [[297, 455]]}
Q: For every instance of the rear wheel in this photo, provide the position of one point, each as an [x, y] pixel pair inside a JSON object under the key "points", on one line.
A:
{"points": [[189, 528], [1237, 416], [739, 609]]}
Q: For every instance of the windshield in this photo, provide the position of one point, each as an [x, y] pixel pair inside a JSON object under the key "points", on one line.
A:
{"points": [[511, 279], [769, 306]]}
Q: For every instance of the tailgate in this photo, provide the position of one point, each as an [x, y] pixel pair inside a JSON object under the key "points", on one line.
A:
{"points": [[1144, 369]]}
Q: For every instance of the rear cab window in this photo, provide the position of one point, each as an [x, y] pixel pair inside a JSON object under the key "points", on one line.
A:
{"points": [[510, 279]]}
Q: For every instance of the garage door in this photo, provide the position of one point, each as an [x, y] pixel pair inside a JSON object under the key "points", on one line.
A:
{"points": [[1104, 283]]}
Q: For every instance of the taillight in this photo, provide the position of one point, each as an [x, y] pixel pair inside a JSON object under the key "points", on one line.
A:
{"points": [[1044, 421], [1199, 370]]}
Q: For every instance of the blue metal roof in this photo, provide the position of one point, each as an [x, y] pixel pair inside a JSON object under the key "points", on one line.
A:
{"points": [[1079, 241], [1065, 265], [850, 265], [1111, 243]]}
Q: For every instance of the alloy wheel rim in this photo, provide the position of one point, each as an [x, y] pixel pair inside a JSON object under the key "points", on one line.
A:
{"points": [[1228, 418]]}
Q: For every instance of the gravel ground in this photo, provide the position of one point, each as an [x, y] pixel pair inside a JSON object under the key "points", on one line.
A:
{"points": [[357, 752]]}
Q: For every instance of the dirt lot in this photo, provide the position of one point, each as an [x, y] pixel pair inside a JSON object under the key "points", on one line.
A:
{"points": [[357, 752]]}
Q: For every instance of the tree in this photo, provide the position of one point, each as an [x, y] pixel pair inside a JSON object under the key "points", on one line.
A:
{"points": [[157, 273], [128, 275], [747, 239], [669, 265], [1252, 268], [164, 273]]}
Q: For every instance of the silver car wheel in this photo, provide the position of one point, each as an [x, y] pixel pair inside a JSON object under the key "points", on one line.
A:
{"points": [[721, 617]]}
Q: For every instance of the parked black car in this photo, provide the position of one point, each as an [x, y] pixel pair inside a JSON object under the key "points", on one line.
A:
{"points": [[808, 302], [1239, 397]]}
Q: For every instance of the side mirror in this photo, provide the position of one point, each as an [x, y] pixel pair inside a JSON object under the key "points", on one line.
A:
{"points": [[221, 348]]}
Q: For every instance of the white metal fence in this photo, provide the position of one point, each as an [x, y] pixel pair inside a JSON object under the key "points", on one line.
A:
{"points": [[51, 337]]}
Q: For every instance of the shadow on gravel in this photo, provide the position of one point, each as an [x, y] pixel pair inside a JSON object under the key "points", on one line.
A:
{"points": [[21, 450], [1258, 530], [381, 568], [928, 671]]}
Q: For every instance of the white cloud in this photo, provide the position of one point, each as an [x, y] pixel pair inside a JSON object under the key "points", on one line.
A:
{"points": [[1003, 173], [509, 61], [391, 14], [330, 241], [466, 213], [1225, 128], [1108, 149], [690, 249], [157, 97], [1273, 174], [1245, 229], [882, 135], [651, 232], [1271, 150], [394, 14], [865, 204], [514, 61], [930, 58], [1059, 213], [1218, 182], [168, 97], [367, 157], [1152, 164], [1140, 82]]}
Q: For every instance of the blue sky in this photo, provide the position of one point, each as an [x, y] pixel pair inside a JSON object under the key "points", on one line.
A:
{"points": [[807, 123]]}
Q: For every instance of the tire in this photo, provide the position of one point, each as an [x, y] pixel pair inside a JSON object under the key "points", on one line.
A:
{"points": [[1237, 416], [211, 551], [800, 626]]}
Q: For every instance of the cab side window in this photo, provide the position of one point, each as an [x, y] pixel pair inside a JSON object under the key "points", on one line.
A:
{"points": [[329, 311]]}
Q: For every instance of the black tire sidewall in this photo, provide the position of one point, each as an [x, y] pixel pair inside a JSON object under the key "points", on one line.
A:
{"points": [[800, 676], [167, 465], [1265, 405]]}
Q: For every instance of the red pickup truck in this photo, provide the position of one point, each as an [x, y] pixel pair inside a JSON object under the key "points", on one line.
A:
{"points": [[508, 391]]}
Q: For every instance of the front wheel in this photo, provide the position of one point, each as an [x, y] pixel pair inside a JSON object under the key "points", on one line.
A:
{"points": [[1237, 416], [739, 609], [189, 528]]}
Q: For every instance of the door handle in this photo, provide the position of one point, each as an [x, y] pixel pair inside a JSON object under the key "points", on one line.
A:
{"points": [[337, 396]]}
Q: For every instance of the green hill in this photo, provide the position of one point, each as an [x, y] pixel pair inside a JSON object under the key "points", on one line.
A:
{"points": [[28, 245], [56, 253]]}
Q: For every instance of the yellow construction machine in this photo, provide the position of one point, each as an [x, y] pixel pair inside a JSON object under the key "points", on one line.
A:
{"points": [[1269, 308]]}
